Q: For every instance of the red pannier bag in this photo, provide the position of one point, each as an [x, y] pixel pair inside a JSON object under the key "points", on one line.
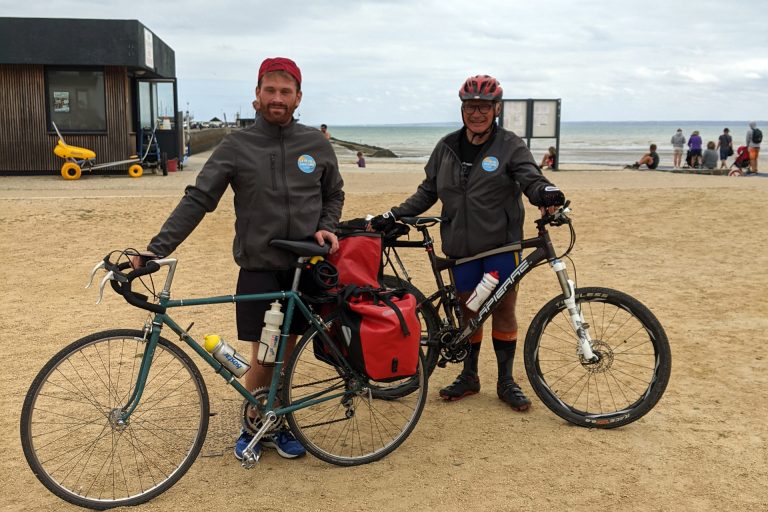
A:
{"points": [[358, 259], [381, 332]]}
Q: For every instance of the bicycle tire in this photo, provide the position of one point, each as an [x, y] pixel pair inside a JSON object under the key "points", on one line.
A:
{"points": [[84, 458], [634, 367], [355, 427], [428, 316]]}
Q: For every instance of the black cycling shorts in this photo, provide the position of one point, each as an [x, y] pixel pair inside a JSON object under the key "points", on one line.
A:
{"points": [[250, 315]]}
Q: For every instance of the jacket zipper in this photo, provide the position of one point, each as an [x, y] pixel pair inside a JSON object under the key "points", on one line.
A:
{"points": [[285, 187], [464, 193], [272, 157]]}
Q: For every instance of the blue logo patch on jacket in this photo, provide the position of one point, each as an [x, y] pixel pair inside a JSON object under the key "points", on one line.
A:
{"points": [[490, 163], [307, 164]]}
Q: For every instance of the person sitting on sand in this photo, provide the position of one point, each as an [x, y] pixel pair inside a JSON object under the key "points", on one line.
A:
{"points": [[550, 159], [360, 159], [651, 159], [709, 160]]}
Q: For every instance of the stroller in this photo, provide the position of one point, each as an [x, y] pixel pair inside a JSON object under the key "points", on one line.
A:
{"points": [[740, 166]]}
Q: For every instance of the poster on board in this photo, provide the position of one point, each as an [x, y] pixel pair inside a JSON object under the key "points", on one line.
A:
{"points": [[515, 117], [61, 101], [544, 118]]}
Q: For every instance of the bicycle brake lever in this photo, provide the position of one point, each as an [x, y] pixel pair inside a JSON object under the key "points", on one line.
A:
{"points": [[110, 275], [98, 266]]}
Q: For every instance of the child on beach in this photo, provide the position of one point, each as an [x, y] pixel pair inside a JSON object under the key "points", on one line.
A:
{"points": [[709, 160], [650, 159], [360, 159], [550, 159]]}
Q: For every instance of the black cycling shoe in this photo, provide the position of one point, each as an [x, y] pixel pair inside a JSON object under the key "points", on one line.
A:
{"points": [[465, 385], [510, 393]]}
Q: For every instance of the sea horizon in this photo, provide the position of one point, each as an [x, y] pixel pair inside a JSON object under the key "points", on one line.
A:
{"points": [[581, 142]]}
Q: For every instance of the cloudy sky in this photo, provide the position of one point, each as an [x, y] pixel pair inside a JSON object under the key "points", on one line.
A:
{"points": [[393, 61]]}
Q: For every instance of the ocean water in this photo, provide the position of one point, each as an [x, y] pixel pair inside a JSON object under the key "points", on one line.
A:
{"points": [[580, 142]]}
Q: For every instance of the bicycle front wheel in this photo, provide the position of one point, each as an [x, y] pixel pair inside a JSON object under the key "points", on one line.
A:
{"points": [[70, 433], [343, 420], [633, 367]]}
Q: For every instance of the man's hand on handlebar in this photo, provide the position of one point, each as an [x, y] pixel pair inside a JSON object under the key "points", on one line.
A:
{"points": [[141, 258], [551, 199], [383, 222]]}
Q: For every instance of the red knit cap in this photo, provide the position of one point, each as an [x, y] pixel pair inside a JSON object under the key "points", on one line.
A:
{"points": [[280, 64]]}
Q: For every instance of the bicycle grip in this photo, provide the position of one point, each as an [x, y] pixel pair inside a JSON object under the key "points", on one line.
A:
{"points": [[139, 300]]}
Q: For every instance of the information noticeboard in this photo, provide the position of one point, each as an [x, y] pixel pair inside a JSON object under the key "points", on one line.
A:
{"points": [[533, 119]]}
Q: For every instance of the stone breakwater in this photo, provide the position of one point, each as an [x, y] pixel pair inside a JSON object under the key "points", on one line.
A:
{"points": [[365, 149]]}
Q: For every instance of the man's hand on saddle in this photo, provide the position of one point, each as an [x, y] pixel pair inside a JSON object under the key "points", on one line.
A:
{"points": [[323, 236]]}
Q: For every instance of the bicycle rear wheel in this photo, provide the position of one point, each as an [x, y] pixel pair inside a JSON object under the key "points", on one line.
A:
{"points": [[634, 359], [344, 422], [70, 435]]}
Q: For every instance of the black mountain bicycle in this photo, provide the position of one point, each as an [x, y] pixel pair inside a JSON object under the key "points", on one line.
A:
{"points": [[595, 356]]}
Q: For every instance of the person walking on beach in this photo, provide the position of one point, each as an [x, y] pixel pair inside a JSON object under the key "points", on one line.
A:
{"points": [[286, 184], [694, 144], [479, 173], [754, 138], [650, 159], [326, 133], [725, 147], [678, 142], [360, 159]]}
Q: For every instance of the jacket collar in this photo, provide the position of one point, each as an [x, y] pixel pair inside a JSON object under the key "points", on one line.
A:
{"points": [[273, 130], [452, 139]]}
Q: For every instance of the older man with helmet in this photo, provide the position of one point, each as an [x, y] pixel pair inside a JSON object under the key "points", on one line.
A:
{"points": [[286, 184], [479, 174]]}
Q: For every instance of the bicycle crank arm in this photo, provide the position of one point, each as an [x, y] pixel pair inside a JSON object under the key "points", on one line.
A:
{"points": [[249, 458]]}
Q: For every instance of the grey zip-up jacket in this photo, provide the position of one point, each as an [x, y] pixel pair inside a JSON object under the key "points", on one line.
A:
{"points": [[287, 185], [487, 211]]}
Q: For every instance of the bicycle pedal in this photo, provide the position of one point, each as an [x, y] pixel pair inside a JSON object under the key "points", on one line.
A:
{"points": [[249, 461]]}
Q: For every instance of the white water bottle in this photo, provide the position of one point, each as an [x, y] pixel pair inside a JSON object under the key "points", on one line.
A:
{"points": [[270, 334], [483, 289]]}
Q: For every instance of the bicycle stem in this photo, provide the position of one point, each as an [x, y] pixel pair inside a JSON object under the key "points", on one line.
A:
{"points": [[574, 313]]}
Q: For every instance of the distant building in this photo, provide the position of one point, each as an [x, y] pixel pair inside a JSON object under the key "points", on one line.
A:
{"points": [[105, 83]]}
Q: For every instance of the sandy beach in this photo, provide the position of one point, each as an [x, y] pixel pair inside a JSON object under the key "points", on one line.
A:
{"points": [[692, 248]]}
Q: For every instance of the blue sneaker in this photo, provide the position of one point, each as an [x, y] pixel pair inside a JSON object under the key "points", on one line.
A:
{"points": [[242, 442], [286, 445]]}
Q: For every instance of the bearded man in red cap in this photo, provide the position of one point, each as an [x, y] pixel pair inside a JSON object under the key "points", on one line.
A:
{"points": [[287, 185]]}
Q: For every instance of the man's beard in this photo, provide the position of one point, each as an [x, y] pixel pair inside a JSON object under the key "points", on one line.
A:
{"points": [[279, 116]]}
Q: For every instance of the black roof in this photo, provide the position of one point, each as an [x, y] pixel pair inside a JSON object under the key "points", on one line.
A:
{"points": [[84, 42]]}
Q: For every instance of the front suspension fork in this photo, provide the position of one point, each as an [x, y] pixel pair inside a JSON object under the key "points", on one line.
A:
{"points": [[580, 327]]}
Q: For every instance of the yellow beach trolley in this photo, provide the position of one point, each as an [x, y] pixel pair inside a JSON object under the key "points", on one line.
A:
{"points": [[79, 159]]}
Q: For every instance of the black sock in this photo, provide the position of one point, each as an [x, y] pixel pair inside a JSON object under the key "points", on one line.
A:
{"points": [[470, 363], [505, 357]]}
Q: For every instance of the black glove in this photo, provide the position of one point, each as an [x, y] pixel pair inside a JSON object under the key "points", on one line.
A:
{"points": [[552, 196], [383, 222]]}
